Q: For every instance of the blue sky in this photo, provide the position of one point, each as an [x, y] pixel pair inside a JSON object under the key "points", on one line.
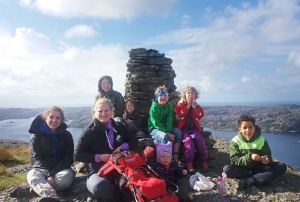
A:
{"points": [[54, 52]]}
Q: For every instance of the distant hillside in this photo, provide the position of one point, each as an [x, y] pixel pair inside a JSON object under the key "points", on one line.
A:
{"points": [[276, 118]]}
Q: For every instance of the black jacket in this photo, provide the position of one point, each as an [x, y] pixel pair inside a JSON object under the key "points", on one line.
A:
{"points": [[93, 141], [50, 153]]}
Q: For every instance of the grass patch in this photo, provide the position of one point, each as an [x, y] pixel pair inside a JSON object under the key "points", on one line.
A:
{"points": [[12, 156], [293, 172]]}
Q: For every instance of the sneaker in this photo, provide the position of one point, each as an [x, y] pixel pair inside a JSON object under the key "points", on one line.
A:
{"points": [[189, 167], [241, 184], [19, 192], [140, 134], [53, 198]]}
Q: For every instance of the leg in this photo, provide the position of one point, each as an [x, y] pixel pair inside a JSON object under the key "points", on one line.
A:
{"points": [[184, 188], [189, 149], [101, 187], [233, 171], [267, 173], [64, 179], [178, 139], [39, 183], [159, 136], [200, 146]]}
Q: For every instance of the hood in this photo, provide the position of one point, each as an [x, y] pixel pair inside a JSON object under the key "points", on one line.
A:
{"points": [[38, 121], [99, 84]]}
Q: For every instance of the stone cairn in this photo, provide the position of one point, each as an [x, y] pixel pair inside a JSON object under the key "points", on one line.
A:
{"points": [[147, 70]]}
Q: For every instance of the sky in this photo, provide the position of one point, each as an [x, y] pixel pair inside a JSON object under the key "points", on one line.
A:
{"points": [[54, 52]]}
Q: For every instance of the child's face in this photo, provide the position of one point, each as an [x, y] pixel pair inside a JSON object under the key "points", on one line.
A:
{"points": [[163, 99], [247, 129], [165, 158], [129, 107], [105, 85], [190, 96]]}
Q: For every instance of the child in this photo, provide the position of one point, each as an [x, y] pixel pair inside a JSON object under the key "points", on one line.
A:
{"points": [[105, 89], [133, 119], [250, 155], [160, 122], [171, 171], [188, 114]]}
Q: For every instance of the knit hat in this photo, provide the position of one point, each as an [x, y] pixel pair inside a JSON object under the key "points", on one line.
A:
{"points": [[160, 148]]}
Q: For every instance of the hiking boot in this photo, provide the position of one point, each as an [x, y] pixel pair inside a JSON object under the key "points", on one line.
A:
{"points": [[19, 192], [53, 198], [140, 134]]}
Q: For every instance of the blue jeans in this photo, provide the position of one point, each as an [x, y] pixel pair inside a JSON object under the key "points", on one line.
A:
{"points": [[163, 138]]}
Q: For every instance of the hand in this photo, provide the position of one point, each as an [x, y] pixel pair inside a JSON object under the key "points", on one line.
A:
{"points": [[104, 157], [255, 157], [184, 171], [118, 150], [264, 159], [128, 121], [50, 180], [125, 116], [171, 136]]}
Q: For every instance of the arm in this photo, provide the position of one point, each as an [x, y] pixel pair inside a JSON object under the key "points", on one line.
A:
{"points": [[169, 118], [181, 111], [82, 153], [266, 151], [198, 112], [37, 159], [238, 158], [130, 139], [119, 105], [155, 118], [67, 161]]}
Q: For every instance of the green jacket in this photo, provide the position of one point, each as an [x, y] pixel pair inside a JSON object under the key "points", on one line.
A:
{"points": [[161, 117], [241, 149]]}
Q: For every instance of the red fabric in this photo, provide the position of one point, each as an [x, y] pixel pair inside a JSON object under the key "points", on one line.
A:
{"points": [[182, 111], [130, 161], [149, 186], [148, 152]]}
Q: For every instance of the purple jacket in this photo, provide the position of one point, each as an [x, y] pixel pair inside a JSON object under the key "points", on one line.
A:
{"points": [[173, 174]]}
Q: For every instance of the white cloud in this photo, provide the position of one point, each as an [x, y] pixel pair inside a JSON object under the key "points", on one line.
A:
{"points": [[185, 21], [80, 31], [246, 79], [112, 9], [64, 77], [294, 57]]}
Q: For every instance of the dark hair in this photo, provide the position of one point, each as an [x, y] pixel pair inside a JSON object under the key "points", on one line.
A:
{"points": [[246, 117], [101, 92], [132, 102]]}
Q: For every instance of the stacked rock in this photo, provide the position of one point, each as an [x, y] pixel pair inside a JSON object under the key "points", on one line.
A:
{"points": [[147, 70]]}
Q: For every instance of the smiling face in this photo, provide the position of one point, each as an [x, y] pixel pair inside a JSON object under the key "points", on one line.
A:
{"points": [[105, 85], [165, 158], [103, 113], [53, 120], [247, 129], [129, 107], [163, 99]]}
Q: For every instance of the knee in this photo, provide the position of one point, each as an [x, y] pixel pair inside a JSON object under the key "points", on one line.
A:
{"points": [[178, 134]]}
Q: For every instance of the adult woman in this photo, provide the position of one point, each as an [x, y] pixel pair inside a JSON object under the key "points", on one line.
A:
{"points": [[105, 89], [51, 155], [97, 142]]}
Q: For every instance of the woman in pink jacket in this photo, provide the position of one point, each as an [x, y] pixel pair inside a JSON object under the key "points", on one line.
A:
{"points": [[188, 114]]}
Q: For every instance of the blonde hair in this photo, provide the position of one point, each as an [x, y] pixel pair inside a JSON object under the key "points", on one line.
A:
{"points": [[46, 113], [101, 101], [164, 88], [187, 89]]}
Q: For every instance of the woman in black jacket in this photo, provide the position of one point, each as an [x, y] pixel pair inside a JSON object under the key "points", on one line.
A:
{"points": [[51, 155], [97, 142]]}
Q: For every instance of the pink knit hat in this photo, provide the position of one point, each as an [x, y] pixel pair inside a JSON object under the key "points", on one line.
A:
{"points": [[163, 148]]}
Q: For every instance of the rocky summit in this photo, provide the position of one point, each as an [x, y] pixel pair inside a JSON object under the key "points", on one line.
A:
{"points": [[285, 188]]}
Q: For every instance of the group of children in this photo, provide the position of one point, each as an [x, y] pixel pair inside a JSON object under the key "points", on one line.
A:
{"points": [[250, 154]]}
